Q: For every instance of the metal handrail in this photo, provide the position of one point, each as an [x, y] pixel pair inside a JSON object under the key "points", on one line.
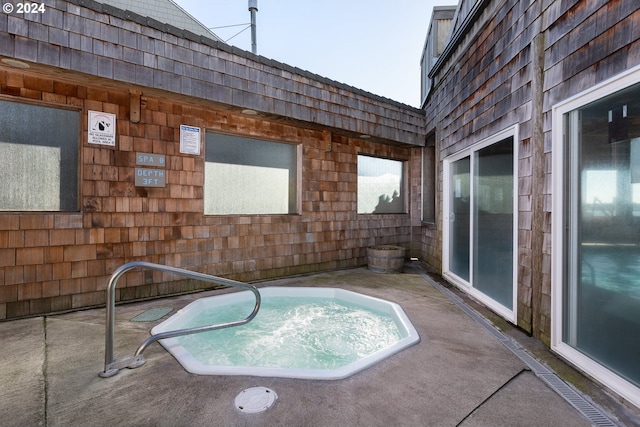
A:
{"points": [[112, 366]]}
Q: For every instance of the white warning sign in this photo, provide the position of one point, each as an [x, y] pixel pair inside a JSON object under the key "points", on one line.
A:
{"points": [[102, 128]]}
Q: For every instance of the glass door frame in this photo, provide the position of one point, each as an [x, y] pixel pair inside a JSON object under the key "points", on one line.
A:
{"points": [[563, 234], [509, 314]]}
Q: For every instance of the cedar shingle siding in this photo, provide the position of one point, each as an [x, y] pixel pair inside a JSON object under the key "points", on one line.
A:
{"points": [[88, 56], [511, 66], [507, 64]]}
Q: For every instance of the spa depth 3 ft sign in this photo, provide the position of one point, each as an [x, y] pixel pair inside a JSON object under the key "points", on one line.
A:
{"points": [[154, 174]]}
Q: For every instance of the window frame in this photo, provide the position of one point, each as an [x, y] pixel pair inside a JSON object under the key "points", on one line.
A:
{"points": [[403, 184], [467, 286], [429, 190], [79, 157], [559, 239], [298, 149]]}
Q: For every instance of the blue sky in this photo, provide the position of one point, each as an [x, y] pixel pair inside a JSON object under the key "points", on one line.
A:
{"points": [[374, 45]]}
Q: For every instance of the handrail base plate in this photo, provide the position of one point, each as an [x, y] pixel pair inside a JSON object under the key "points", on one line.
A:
{"points": [[114, 367], [108, 373]]}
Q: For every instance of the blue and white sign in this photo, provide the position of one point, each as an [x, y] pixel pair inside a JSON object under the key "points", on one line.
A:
{"points": [[189, 140]]}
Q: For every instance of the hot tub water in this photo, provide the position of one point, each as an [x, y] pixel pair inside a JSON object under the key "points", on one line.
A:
{"points": [[320, 333], [312, 333]]}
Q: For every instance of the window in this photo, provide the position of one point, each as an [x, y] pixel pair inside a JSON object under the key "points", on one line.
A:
{"points": [[437, 39], [479, 221], [38, 158], [429, 181], [380, 185], [596, 229], [249, 176]]}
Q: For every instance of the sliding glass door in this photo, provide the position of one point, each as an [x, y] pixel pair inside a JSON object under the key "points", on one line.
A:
{"points": [[601, 307], [493, 222], [460, 196], [480, 222]]}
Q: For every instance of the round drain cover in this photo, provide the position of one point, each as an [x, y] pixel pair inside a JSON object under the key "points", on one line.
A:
{"points": [[255, 399]]}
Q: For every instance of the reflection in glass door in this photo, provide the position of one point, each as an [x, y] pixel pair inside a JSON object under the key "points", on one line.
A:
{"points": [[459, 216], [480, 227], [602, 259], [493, 222]]}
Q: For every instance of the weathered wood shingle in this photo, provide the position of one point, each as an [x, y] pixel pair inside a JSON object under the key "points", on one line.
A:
{"points": [[98, 40]]}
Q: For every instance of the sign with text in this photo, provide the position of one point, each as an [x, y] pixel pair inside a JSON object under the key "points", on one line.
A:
{"points": [[189, 140], [150, 177], [102, 128], [148, 159]]}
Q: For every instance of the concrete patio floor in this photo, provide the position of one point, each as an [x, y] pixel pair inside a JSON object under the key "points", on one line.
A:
{"points": [[458, 375]]}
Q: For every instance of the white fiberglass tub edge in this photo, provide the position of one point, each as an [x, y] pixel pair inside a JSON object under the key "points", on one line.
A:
{"points": [[409, 336]]}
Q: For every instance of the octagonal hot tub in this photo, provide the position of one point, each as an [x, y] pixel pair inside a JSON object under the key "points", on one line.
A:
{"points": [[311, 333]]}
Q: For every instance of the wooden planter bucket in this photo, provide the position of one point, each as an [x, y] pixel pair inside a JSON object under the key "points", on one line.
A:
{"points": [[385, 258]]}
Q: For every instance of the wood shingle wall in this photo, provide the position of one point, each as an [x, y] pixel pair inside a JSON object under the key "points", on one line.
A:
{"points": [[84, 57], [515, 61], [98, 40]]}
